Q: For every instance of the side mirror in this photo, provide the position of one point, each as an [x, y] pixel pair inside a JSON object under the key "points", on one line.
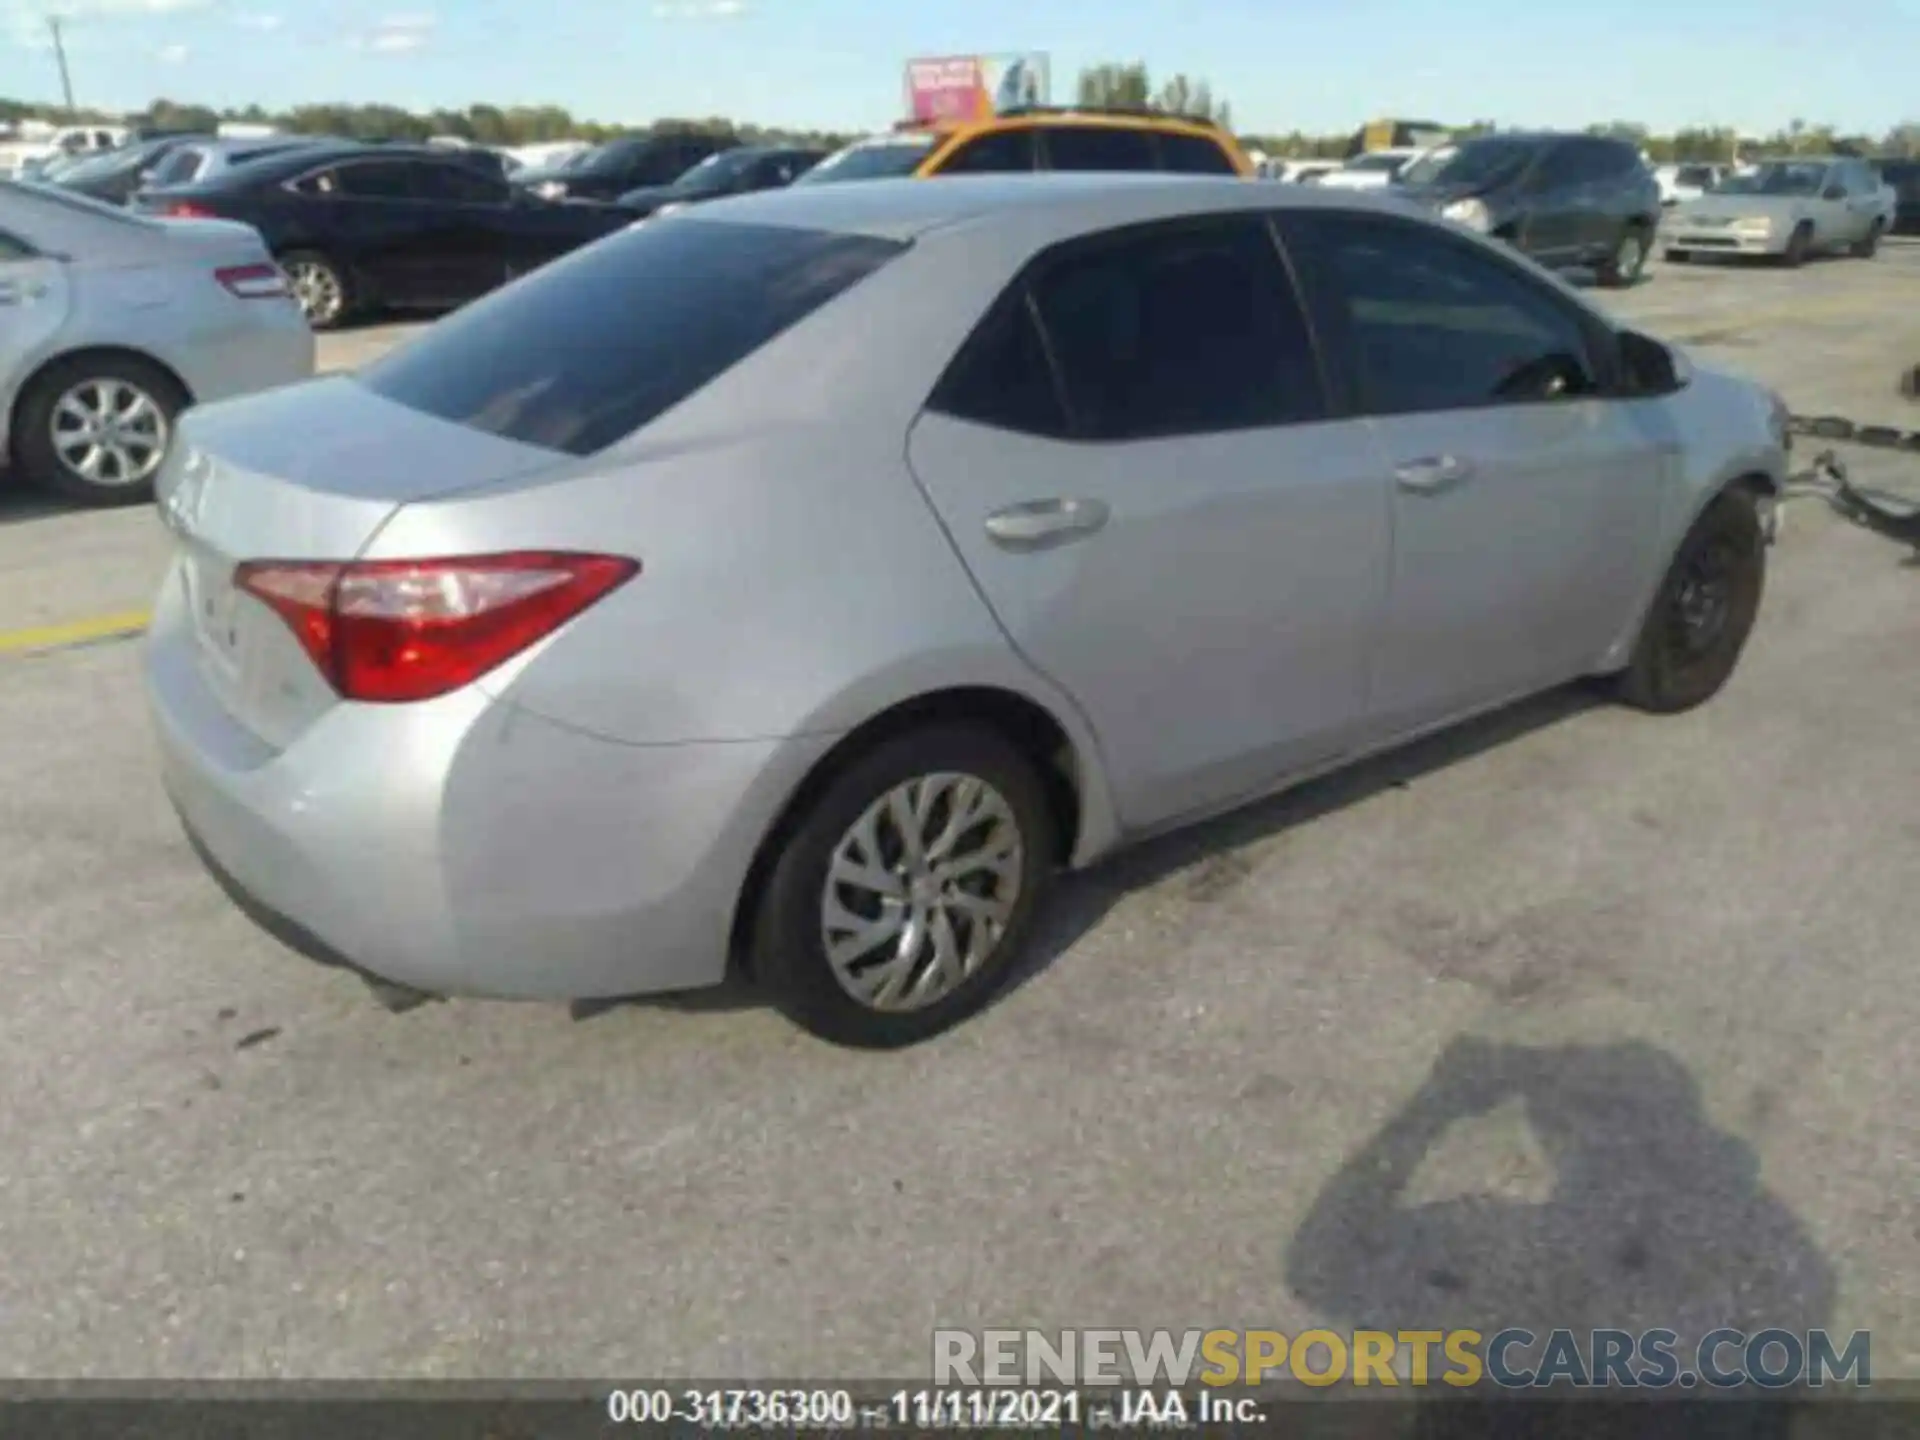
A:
{"points": [[1651, 368]]}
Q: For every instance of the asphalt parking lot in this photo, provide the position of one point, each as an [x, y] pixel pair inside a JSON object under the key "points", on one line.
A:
{"points": [[1635, 992]]}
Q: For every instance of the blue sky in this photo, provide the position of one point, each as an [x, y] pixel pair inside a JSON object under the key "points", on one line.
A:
{"points": [[837, 63]]}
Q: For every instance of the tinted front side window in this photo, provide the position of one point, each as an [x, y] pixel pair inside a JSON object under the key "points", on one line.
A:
{"points": [[1426, 322], [1099, 147], [459, 183], [1175, 331], [590, 348], [1002, 152], [1193, 155]]}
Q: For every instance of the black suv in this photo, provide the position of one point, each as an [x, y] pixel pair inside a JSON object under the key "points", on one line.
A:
{"points": [[1565, 200], [1904, 177], [609, 171]]}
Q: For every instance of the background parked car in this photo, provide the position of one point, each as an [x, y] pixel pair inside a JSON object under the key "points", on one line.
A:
{"points": [[1039, 137], [204, 159], [1788, 208], [114, 324], [33, 155], [1904, 178], [1374, 170], [609, 171], [1300, 172], [1686, 182], [739, 171], [114, 175], [1565, 200], [358, 227]]}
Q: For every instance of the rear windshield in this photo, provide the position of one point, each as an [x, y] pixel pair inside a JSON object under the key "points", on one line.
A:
{"points": [[588, 349], [181, 165]]}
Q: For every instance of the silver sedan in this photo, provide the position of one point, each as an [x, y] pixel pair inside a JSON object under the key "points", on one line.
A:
{"points": [[800, 582], [112, 324], [1789, 209]]}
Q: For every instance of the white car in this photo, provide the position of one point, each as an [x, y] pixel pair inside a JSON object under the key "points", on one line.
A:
{"points": [[111, 324], [1680, 183], [1299, 172], [25, 157], [1374, 170]]}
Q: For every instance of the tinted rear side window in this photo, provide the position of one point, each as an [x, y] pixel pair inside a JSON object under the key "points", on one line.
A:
{"points": [[588, 349], [1002, 376], [1192, 155], [1099, 147]]}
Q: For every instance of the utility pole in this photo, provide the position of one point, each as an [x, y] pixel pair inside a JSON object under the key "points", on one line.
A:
{"points": [[60, 54]]}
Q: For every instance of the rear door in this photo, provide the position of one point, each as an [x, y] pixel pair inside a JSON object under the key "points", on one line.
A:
{"points": [[1525, 503], [365, 212], [34, 301], [1135, 458], [1097, 148]]}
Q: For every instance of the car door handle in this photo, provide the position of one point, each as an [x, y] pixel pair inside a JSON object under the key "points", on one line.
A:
{"points": [[1432, 475], [1041, 524]]}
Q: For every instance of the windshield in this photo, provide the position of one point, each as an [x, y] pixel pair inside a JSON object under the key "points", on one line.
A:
{"points": [[886, 159], [43, 189], [1776, 177], [1478, 162], [97, 165], [716, 172]]}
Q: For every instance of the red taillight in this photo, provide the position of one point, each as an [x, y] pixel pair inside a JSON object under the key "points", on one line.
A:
{"points": [[186, 210], [254, 282], [389, 631]]}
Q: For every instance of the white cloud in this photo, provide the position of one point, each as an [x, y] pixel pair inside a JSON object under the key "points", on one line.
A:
{"points": [[396, 34], [699, 9], [25, 21], [172, 54]]}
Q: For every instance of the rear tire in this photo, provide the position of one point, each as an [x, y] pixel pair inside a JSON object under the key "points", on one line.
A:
{"points": [[1699, 622], [1866, 249], [127, 404], [1799, 245], [906, 909], [1629, 259], [321, 287]]}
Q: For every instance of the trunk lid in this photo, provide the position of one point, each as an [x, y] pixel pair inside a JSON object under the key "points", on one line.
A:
{"points": [[307, 472]]}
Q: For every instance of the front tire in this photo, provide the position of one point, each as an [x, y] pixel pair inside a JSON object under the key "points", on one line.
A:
{"points": [[321, 288], [95, 429], [1698, 625], [901, 901], [1628, 261], [1866, 249]]}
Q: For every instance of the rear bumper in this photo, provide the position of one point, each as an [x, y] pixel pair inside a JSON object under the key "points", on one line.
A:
{"points": [[268, 345], [464, 847]]}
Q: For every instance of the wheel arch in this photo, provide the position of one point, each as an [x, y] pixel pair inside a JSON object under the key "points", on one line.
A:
{"points": [[1075, 790], [39, 372]]}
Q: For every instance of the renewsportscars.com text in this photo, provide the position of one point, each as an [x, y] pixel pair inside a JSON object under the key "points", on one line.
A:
{"points": [[1610, 1359]]}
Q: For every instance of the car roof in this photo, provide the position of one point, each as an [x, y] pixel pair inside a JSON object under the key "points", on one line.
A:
{"points": [[905, 208]]}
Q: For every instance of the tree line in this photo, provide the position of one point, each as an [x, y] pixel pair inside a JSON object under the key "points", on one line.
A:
{"points": [[1124, 84]]}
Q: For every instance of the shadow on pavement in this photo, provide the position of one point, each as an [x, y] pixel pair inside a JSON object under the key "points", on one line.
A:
{"points": [[1652, 1219]]}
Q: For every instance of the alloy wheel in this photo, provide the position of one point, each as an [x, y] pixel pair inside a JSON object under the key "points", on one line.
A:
{"points": [[318, 291], [920, 890], [109, 432]]}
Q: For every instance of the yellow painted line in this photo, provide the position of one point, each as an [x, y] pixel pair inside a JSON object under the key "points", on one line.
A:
{"points": [[74, 632]]}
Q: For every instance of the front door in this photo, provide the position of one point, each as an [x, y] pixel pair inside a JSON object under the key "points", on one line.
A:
{"points": [[1552, 208], [1134, 459], [1523, 500]]}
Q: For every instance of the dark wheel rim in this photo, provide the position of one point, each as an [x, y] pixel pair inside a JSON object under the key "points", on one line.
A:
{"points": [[1697, 618]]}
